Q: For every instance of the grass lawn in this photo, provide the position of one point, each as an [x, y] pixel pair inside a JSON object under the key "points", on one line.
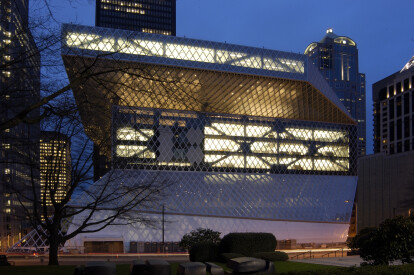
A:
{"points": [[37, 269], [123, 269], [281, 268], [285, 267]]}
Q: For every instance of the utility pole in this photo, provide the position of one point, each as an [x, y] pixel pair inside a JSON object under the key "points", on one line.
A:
{"points": [[163, 244]]}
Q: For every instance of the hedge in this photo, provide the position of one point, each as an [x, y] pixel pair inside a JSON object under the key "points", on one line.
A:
{"points": [[204, 252], [248, 243]]}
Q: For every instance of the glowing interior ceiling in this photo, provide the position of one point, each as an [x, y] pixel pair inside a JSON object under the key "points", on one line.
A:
{"points": [[195, 90], [184, 89]]}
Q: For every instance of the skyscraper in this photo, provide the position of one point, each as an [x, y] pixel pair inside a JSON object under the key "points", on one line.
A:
{"points": [[55, 168], [336, 57], [393, 113], [151, 16], [385, 179], [19, 87]]}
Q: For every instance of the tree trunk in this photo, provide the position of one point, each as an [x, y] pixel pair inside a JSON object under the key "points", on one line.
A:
{"points": [[53, 251]]}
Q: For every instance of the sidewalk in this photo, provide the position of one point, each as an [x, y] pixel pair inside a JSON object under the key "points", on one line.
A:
{"points": [[337, 261]]}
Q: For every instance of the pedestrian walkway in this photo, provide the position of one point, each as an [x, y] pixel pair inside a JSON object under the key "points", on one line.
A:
{"points": [[334, 261]]}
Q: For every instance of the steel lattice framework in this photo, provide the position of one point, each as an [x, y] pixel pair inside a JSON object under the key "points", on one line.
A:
{"points": [[193, 141], [245, 136]]}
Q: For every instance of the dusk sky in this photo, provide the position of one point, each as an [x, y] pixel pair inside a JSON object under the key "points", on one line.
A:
{"points": [[382, 29]]}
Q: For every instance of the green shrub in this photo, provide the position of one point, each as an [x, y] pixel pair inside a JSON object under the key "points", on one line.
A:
{"points": [[392, 240], [248, 243], [204, 252], [200, 235], [228, 256], [272, 256]]}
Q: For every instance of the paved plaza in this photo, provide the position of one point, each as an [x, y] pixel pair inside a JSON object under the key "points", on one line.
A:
{"points": [[348, 261]]}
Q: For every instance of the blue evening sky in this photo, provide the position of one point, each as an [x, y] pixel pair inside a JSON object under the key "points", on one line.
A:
{"points": [[382, 29]]}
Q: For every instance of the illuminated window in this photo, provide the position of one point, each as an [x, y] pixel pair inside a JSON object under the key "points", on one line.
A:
{"points": [[257, 131], [211, 144], [129, 133], [134, 150], [255, 163], [293, 149], [287, 161], [264, 147], [231, 162], [300, 134], [321, 135], [211, 131], [335, 151]]}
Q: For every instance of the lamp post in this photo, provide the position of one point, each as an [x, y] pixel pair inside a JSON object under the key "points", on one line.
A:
{"points": [[163, 244]]}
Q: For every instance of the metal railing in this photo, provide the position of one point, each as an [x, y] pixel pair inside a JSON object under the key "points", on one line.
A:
{"points": [[304, 255], [334, 252]]}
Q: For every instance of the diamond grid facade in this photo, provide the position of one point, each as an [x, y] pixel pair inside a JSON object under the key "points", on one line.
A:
{"points": [[120, 46], [283, 197], [248, 139], [178, 140], [303, 207]]}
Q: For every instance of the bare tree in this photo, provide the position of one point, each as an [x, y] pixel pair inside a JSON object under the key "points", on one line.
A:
{"points": [[67, 190], [43, 200]]}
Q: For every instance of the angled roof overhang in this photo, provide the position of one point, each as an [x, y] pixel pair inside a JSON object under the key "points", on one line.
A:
{"points": [[115, 67]]}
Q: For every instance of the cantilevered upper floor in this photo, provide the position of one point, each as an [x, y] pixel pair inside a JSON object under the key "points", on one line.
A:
{"points": [[121, 46], [136, 71]]}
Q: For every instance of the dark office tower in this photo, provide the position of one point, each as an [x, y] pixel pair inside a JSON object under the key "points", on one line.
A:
{"points": [[393, 99], [152, 16], [385, 179], [336, 57], [55, 168], [19, 148]]}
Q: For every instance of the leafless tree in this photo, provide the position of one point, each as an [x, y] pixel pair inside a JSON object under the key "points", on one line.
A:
{"points": [[56, 111]]}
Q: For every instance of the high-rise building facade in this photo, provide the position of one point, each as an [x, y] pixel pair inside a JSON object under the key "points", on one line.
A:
{"points": [[151, 16], [19, 148], [55, 169], [386, 178], [393, 111], [336, 57]]}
